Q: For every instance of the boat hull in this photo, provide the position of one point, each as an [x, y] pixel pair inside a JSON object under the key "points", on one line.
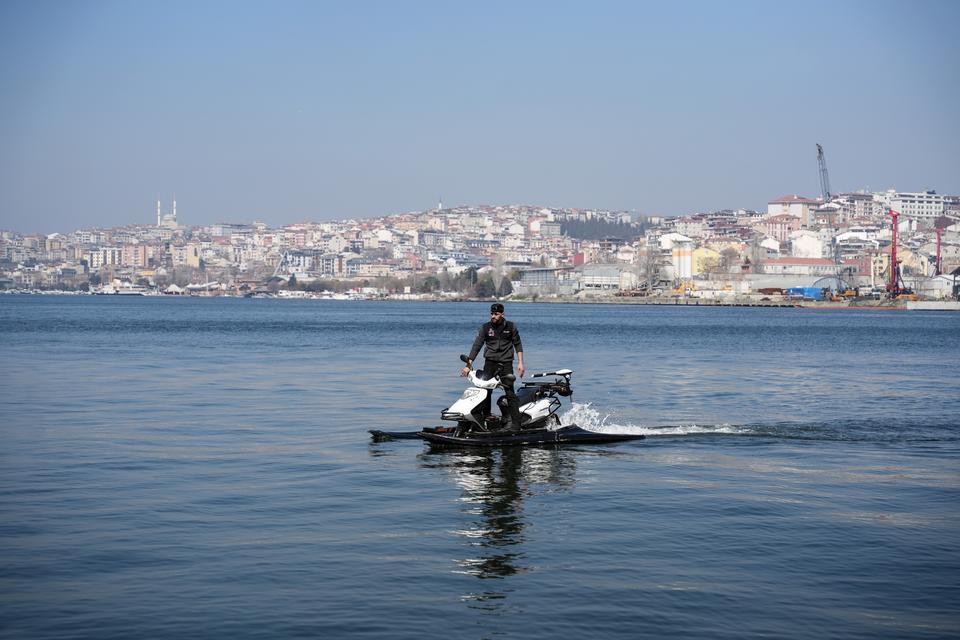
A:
{"points": [[383, 436], [565, 435]]}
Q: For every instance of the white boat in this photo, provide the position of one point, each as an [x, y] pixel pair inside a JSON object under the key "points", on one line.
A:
{"points": [[121, 289]]}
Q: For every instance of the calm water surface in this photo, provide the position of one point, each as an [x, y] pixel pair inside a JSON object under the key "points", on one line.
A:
{"points": [[177, 468]]}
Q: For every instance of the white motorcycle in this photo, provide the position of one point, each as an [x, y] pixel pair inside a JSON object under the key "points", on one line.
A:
{"points": [[539, 424], [539, 402]]}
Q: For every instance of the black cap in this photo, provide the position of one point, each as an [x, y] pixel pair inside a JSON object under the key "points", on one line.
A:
{"points": [[496, 307]]}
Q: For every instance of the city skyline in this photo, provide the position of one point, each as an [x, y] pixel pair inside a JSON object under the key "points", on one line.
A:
{"points": [[302, 111], [165, 215]]}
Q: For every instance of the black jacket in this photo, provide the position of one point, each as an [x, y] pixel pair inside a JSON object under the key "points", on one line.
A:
{"points": [[501, 341]]}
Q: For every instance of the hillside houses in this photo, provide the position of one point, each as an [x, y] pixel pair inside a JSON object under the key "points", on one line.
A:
{"points": [[794, 240]]}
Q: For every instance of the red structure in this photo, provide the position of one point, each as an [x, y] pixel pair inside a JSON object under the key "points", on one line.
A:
{"points": [[893, 287]]}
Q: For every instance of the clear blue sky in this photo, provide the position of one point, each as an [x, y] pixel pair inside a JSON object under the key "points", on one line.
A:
{"points": [[286, 111]]}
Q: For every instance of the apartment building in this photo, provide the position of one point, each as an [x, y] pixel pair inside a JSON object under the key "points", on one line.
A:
{"points": [[924, 207]]}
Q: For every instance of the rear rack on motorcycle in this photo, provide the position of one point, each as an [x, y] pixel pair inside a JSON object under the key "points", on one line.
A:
{"points": [[561, 387]]}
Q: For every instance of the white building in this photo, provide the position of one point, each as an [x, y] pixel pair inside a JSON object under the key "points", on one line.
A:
{"points": [[681, 254], [923, 207], [104, 256], [806, 244], [859, 206], [610, 277], [772, 247], [861, 233], [818, 267]]}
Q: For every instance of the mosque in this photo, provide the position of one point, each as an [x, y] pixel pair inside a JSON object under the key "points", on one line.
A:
{"points": [[168, 220]]}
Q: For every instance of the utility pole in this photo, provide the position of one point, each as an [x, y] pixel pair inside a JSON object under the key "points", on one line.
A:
{"points": [[939, 232]]}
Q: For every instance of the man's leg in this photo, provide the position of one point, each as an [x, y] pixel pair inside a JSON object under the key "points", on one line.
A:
{"points": [[513, 403], [490, 369]]}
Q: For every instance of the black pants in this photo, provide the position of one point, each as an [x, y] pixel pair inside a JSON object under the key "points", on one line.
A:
{"points": [[495, 368]]}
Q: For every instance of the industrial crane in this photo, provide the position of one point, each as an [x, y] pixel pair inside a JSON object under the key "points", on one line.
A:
{"points": [[283, 263], [825, 196], [824, 177]]}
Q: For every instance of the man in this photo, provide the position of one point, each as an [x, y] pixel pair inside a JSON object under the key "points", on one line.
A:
{"points": [[502, 339]]}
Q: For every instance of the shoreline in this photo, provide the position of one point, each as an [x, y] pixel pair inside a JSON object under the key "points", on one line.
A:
{"points": [[882, 305]]}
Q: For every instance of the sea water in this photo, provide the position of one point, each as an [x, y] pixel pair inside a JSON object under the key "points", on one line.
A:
{"points": [[175, 468]]}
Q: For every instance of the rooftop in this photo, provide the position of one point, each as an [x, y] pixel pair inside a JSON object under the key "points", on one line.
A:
{"points": [[793, 199]]}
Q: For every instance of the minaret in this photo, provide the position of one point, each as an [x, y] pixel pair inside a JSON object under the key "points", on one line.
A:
{"points": [[174, 210], [159, 216]]}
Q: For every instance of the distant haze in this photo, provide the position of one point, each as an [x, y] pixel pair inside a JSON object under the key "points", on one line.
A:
{"points": [[288, 111]]}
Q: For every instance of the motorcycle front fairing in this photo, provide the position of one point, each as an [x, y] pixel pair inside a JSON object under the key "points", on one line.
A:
{"points": [[463, 409]]}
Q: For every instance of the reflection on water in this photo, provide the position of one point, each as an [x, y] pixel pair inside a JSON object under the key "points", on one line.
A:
{"points": [[495, 483]]}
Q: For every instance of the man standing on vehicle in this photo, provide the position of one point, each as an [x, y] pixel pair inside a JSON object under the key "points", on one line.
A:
{"points": [[502, 339]]}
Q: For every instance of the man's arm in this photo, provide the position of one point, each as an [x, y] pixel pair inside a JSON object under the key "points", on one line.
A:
{"points": [[518, 348], [474, 350]]}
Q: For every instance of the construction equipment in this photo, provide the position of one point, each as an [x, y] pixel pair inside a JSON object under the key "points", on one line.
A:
{"points": [[282, 264], [824, 177], [895, 287], [844, 294], [684, 288], [825, 195]]}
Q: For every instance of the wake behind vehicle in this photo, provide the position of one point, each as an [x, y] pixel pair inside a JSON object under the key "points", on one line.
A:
{"points": [[474, 425]]}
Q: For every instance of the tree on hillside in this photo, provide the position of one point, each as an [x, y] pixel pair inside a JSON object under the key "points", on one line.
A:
{"points": [[497, 272], [651, 265], [757, 254], [485, 288], [728, 258], [429, 284]]}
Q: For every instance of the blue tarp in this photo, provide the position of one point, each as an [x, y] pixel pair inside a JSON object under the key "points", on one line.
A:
{"points": [[809, 293]]}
